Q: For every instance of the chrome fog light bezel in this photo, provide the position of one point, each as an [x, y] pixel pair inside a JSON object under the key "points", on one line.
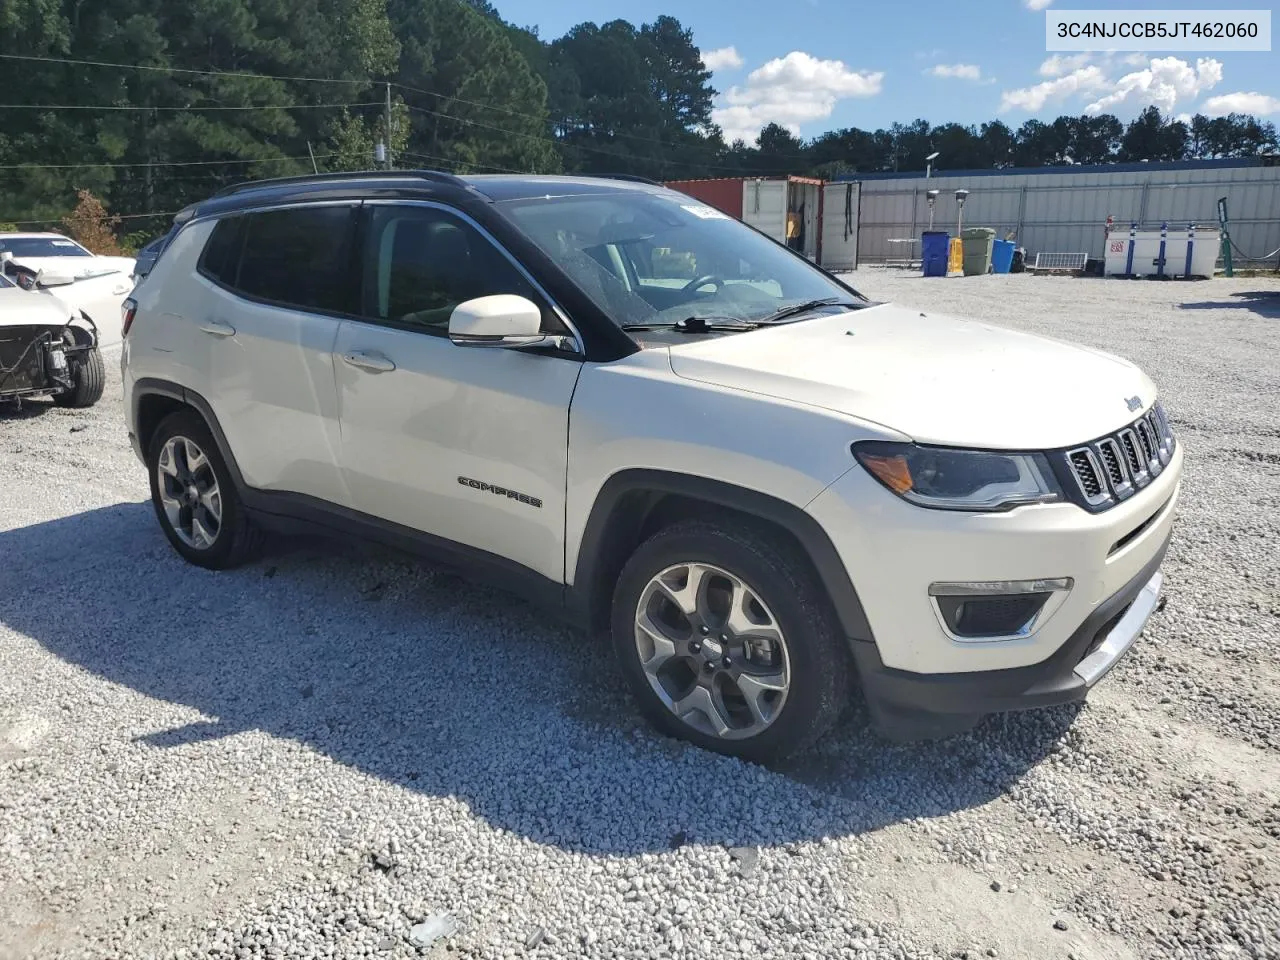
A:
{"points": [[1058, 589]]}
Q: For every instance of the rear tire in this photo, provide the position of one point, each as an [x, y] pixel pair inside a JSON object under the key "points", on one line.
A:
{"points": [[766, 620], [89, 375], [194, 496]]}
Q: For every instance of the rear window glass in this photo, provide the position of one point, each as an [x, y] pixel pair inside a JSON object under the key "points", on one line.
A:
{"points": [[222, 252], [300, 257]]}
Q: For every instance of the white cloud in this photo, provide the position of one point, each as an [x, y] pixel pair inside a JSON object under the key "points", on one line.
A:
{"points": [[791, 90], [722, 59], [961, 71], [1038, 4], [1165, 82], [1057, 66], [1082, 81], [1259, 104]]}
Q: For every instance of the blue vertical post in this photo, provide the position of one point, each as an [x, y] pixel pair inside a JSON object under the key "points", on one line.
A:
{"points": [[1191, 241], [1128, 262], [1164, 233]]}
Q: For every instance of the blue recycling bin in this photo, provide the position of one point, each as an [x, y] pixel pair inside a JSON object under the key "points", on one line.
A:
{"points": [[1001, 256], [935, 248]]}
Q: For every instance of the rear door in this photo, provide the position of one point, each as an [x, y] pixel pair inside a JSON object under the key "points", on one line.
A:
{"points": [[276, 284], [840, 225]]}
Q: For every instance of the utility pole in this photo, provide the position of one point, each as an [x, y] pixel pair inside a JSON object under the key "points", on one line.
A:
{"points": [[388, 126]]}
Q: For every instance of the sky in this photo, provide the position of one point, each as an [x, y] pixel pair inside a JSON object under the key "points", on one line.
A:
{"points": [[817, 65]]}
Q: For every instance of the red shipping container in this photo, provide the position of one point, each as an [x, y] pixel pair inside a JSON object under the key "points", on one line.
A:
{"points": [[723, 193]]}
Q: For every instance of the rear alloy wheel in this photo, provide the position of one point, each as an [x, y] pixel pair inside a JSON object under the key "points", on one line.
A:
{"points": [[727, 640], [189, 492], [194, 497]]}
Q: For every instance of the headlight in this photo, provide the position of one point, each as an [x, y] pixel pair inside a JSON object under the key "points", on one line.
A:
{"points": [[946, 478]]}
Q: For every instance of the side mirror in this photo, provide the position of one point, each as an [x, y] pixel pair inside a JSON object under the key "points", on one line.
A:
{"points": [[46, 279], [501, 320]]}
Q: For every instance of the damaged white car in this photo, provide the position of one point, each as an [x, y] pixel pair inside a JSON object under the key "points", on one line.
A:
{"points": [[47, 347], [100, 282]]}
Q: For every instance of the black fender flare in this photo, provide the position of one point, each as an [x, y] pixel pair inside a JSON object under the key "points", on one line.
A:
{"points": [[808, 533], [152, 386]]}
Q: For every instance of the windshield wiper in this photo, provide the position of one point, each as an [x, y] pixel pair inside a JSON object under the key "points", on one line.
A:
{"points": [[696, 325], [805, 307]]}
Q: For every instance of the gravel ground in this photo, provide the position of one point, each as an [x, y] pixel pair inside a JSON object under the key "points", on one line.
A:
{"points": [[308, 756]]}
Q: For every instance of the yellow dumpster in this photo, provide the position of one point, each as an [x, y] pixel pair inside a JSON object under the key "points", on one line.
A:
{"points": [[955, 257]]}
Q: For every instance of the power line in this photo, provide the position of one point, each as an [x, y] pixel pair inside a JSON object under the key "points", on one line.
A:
{"points": [[156, 163], [205, 73], [264, 106], [399, 86], [613, 154], [72, 218], [456, 162]]}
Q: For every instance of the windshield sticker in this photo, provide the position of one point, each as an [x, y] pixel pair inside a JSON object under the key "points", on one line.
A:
{"points": [[703, 211]]}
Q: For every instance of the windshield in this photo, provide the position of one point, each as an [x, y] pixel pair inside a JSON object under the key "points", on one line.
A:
{"points": [[42, 247], [650, 259]]}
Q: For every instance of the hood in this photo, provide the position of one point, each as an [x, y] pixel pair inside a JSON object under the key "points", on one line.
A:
{"points": [[79, 267], [20, 307], [935, 378]]}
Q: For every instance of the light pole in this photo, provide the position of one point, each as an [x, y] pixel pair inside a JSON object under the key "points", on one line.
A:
{"points": [[932, 196], [960, 198], [928, 170]]}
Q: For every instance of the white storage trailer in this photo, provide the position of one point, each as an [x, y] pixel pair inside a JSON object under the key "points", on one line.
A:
{"points": [[1188, 252]]}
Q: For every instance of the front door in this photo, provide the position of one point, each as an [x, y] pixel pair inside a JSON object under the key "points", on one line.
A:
{"points": [[468, 444]]}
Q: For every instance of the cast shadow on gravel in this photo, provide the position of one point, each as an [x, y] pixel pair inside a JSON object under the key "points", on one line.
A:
{"points": [[28, 409], [1265, 303], [412, 675]]}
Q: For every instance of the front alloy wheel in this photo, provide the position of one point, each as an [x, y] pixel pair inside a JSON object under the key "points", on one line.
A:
{"points": [[726, 639], [712, 650]]}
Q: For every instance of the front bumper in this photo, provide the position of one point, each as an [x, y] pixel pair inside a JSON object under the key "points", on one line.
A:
{"points": [[906, 705]]}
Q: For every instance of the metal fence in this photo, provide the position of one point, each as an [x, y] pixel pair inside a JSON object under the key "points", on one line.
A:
{"points": [[1064, 210]]}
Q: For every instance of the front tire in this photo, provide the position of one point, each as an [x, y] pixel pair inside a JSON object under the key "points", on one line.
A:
{"points": [[726, 640], [194, 496], [89, 376]]}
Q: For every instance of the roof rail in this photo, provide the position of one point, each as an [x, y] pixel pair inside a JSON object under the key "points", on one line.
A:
{"points": [[630, 176], [438, 176]]}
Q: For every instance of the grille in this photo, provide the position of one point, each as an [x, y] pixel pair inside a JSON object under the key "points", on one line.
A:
{"points": [[1114, 467], [1085, 469], [1132, 456], [1110, 453]]}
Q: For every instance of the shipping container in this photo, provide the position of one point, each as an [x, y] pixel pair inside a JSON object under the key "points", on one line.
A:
{"points": [[723, 193], [813, 217]]}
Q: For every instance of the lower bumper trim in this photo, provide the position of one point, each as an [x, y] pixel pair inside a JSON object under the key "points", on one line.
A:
{"points": [[902, 702], [1121, 637]]}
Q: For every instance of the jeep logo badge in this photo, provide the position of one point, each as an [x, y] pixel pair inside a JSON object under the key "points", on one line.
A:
{"points": [[1133, 403]]}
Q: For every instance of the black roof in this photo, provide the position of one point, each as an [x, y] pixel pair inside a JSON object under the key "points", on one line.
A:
{"points": [[407, 184]]}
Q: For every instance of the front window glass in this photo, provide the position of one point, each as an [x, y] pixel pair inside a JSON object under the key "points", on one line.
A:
{"points": [[421, 262], [649, 259]]}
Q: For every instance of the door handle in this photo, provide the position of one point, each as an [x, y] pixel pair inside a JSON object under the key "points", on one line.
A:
{"points": [[218, 328], [373, 362]]}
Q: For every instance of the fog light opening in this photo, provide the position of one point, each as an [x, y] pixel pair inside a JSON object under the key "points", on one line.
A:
{"points": [[984, 612]]}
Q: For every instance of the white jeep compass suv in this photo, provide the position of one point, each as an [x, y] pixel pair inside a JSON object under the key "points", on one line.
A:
{"points": [[767, 489]]}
